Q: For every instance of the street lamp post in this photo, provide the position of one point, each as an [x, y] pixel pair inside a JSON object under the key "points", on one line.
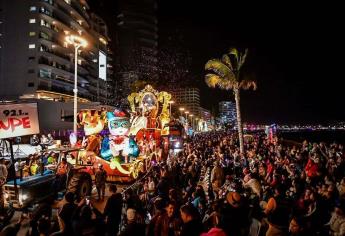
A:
{"points": [[181, 110], [191, 120], [77, 42], [170, 102]]}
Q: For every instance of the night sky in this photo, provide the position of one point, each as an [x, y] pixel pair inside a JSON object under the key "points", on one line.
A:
{"points": [[296, 54]]}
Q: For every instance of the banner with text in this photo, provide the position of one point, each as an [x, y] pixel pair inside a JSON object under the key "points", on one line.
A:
{"points": [[18, 120]]}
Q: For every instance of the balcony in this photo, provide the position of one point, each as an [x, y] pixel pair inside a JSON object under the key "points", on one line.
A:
{"points": [[62, 58], [60, 69]]}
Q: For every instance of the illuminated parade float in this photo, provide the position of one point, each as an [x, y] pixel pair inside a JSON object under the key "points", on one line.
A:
{"points": [[128, 144]]}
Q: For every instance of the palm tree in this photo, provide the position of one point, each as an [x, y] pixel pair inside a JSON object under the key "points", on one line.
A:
{"points": [[225, 73]]}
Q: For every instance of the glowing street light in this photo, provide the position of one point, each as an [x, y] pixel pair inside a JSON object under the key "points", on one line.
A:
{"points": [[186, 112], [191, 120], [77, 42]]}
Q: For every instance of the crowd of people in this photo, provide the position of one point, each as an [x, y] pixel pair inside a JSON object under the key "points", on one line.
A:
{"points": [[211, 189]]}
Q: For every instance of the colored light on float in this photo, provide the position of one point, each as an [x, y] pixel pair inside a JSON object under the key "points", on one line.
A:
{"points": [[73, 139]]}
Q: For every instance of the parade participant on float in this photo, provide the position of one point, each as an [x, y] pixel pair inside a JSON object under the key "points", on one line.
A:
{"points": [[34, 140], [100, 179], [50, 139]]}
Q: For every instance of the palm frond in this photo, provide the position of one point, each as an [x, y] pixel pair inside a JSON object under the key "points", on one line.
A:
{"points": [[212, 80], [226, 60], [226, 84], [219, 68], [243, 57], [247, 84]]}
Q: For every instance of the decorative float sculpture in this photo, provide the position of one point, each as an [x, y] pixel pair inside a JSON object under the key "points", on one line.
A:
{"points": [[114, 150], [145, 107]]}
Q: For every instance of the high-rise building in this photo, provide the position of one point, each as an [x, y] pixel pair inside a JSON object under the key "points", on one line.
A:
{"points": [[137, 40], [35, 60], [189, 98], [227, 113]]}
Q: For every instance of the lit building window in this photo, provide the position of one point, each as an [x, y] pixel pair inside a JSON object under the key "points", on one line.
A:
{"points": [[32, 21], [31, 46], [44, 73], [33, 8], [32, 33]]}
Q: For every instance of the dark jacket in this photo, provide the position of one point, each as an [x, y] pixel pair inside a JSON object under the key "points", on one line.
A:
{"points": [[113, 208], [166, 226], [191, 228], [134, 229]]}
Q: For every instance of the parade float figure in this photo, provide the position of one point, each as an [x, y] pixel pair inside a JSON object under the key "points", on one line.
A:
{"points": [[150, 125], [118, 147], [93, 122]]}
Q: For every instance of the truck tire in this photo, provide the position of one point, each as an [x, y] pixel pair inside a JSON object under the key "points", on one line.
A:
{"points": [[80, 184]]}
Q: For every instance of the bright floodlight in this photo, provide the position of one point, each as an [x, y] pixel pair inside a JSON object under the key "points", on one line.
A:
{"points": [[76, 40], [171, 102]]}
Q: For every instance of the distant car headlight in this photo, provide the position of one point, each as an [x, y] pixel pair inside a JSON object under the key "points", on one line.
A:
{"points": [[24, 197]]}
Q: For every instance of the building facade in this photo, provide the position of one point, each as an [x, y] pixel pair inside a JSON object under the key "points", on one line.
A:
{"points": [[227, 113], [207, 120], [137, 40], [189, 98], [37, 63]]}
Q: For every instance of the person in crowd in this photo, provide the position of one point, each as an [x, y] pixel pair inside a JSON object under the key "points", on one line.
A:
{"points": [[44, 142], [278, 211], [337, 221], [191, 221], [217, 176], [3, 178], [112, 211], [133, 227], [63, 169], [13, 229], [100, 179], [167, 224], [50, 139], [87, 220], [65, 214], [34, 140]]}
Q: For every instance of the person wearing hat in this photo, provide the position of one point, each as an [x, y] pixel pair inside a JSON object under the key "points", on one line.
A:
{"points": [[100, 179], [278, 211], [337, 221], [235, 215]]}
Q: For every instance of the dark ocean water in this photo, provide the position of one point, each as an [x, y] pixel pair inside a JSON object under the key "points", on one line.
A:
{"points": [[328, 136]]}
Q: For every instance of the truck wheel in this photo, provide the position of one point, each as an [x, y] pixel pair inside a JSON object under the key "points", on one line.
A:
{"points": [[80, 184]]}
